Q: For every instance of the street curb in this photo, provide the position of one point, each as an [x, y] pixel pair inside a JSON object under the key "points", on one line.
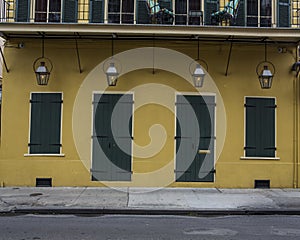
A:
{"points": [[177, 212]]}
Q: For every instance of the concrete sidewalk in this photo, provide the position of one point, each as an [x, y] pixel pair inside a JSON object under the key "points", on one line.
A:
{"points": [[197, 201]]}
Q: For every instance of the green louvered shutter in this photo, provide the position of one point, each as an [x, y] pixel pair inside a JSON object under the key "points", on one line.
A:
{"points": [[112, 137], [240, 17], [96, 11], [22, 11], [283, 14], [260, 127], [45, 124], [142, 12], [70, 8], [210, 6], [195, 131]]}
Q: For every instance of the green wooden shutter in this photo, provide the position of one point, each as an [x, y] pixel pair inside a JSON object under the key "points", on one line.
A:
{"points": [[210, 6], [22, 11], [187, 137], [194, 132], [251, 128], [142, 12], [240, 17], [45, 124], [112, 137], [96, 11], [283, 13], [268, 125], [70, 8], [260, 127], [121, 125]]}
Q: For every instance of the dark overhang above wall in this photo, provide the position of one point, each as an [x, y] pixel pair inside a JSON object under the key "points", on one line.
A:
{"points": [[145, 32]]}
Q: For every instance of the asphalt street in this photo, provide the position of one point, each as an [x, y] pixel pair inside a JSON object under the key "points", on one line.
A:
{"points": [[108, 227]]}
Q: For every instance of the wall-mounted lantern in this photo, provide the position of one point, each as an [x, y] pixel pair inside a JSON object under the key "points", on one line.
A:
{"points": [[41, 71], [198, 76], [265, 71], [112, 74], [111, 71], [196, 70]]}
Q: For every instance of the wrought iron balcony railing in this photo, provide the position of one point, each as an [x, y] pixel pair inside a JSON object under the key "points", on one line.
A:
{"points": [[169, 12]]}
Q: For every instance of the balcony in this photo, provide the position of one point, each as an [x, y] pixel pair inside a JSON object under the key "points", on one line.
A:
{"points": [[167, 12]]}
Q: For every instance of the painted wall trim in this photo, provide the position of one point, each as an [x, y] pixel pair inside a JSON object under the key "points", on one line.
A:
{"points": [[44, 155], [259, 158]]}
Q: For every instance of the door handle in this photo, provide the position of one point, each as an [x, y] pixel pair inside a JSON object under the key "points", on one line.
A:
{"points": [[203, 151]]}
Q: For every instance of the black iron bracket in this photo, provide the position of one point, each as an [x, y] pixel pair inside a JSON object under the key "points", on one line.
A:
{"points": [[228, 59], [4, 61], [78, 56]]}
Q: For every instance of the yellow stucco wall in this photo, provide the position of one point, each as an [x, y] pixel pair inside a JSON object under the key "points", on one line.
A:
{"points": [[72, 169]]}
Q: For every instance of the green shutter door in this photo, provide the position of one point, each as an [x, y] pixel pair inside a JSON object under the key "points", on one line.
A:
{"points": [[45, 123], [210, 6], [96, 11], [22, 11], [260, 127], [195, 138], [112, 137], [70, 11], [283, 14]]}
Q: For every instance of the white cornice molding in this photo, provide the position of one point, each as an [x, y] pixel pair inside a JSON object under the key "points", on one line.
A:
{"points": [[8, 29]]}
